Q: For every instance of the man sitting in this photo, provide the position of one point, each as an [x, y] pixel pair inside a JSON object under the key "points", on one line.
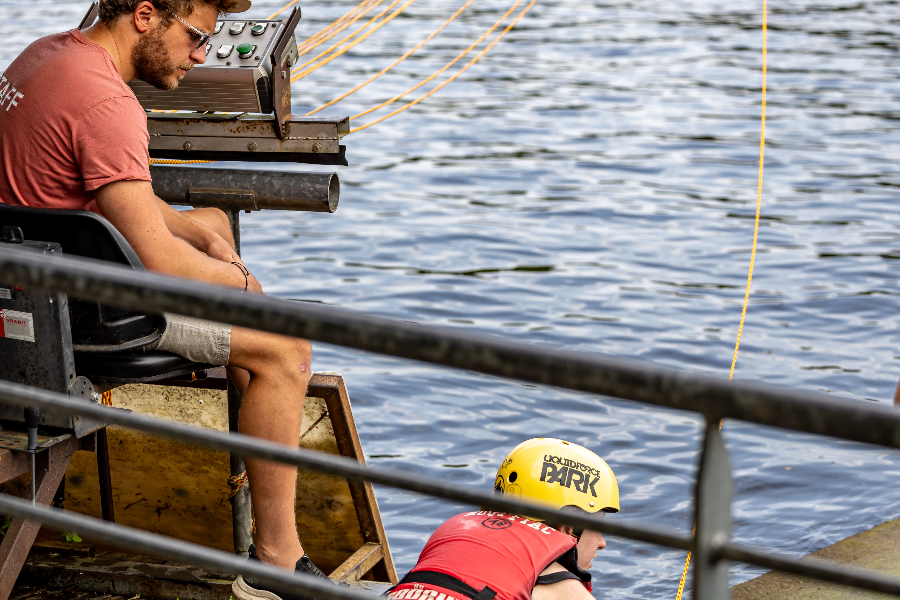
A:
{"points": [[73, 136]]}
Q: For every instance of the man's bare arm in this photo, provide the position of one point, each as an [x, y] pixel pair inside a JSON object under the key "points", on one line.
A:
{"points": [[133, 208], [196, 234]]}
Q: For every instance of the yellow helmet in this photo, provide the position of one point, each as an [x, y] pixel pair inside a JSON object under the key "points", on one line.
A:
{"points": [[558, 473]]}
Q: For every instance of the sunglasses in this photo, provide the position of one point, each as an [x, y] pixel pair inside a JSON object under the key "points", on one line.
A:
{"points": [[201, 37]]}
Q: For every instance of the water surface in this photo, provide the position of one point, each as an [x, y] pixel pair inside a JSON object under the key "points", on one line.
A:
{"points": [[591, 185]]}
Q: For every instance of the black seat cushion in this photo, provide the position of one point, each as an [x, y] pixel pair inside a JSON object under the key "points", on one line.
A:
{"points": [[134, 367], [95, 327], [105, 338]]}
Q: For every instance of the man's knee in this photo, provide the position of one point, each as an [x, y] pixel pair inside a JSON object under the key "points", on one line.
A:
{"points": [[294, 357], [258, 352], [223, 225], [301, 356]]}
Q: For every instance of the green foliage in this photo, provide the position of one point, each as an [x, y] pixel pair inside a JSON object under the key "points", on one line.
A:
{"points": [[70, 536]]}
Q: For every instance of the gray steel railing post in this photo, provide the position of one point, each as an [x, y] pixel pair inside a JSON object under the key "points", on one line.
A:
{"points": [[241, 513], [713, 517]]}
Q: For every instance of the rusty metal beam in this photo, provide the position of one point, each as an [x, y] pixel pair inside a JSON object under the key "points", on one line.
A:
{"points": [[17, 542]]}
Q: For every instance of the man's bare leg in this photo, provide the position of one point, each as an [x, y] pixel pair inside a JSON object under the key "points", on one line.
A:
{"points": [[279, 371], [271, 372]]}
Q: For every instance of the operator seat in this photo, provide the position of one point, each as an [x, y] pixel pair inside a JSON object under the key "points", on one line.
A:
{"points": [[107, 341]]}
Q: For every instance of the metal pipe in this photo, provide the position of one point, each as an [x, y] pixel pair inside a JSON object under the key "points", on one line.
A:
{"points": [[106, 494], [241, 189], [814, 568], [32, 420], [150, 543], [716, 398], [158, 545], [241, 507], [712, 517], [343, 467], [337, 466]]}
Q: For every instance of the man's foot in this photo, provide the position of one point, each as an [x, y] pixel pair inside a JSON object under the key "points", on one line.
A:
{"points": [[251, 589]]}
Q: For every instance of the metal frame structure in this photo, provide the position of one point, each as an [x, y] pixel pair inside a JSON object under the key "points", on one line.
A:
{"points": [[647, 383]]}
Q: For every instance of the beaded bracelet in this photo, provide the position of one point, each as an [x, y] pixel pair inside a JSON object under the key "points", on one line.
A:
{"points": [[244, 272]]}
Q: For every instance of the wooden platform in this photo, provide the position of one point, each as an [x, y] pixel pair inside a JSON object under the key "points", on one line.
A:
{"points": [[181, 491], [877, 549], [68, 571]]}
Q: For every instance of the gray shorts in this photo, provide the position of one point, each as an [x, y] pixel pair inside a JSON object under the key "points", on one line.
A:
{"points": [[195, 339]]}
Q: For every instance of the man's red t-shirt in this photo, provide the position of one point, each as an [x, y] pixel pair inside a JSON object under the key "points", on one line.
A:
{"points": [[68, 125]]}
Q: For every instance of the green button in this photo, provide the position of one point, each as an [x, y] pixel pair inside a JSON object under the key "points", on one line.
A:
{"points": [[245, 48], [258, 28]]}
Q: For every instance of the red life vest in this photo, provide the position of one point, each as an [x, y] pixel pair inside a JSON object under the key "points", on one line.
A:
{"points": [[477, 553]]}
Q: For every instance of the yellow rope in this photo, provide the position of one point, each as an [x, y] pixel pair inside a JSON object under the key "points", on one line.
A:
{"points": [[762, 151], [345, 21], [170, 161], [442, 69], [358, 12], [455, 75], [347, 38], [396, 62], [284, 8], [352, 44]]}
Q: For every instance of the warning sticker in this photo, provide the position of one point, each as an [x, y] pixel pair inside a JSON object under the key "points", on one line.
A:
{"points": [[17, 325], [5, 294]]}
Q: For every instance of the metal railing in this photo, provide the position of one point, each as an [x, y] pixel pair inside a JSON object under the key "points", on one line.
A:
{"points": [[643, 382]]}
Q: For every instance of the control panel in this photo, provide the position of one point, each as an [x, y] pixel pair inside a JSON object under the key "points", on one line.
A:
{"points": [[240, 43]]}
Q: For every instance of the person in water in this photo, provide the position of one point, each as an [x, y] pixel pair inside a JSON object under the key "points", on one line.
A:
{"points": [[73, 136], [482, 554]]}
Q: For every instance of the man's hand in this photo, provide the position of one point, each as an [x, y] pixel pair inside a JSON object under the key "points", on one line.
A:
{"points": [[221, 250], [133, 208]]}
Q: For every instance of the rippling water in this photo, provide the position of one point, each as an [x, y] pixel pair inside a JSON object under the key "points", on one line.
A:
{"points": [[591, 184]]}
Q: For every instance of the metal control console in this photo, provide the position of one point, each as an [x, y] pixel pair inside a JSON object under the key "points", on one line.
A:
{"points": [[237, 75]]}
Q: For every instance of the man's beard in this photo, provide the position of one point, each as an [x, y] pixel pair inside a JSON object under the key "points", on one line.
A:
{"points": [[151, 63]]}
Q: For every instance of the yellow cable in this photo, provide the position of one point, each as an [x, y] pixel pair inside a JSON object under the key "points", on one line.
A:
{"points": [[396, 62], [169, 161], [347, 38], [445, 67], [284, 8], [347, 19], [455, 75], [358, 40], [363, 8], [342, 23], [762, 152]]}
